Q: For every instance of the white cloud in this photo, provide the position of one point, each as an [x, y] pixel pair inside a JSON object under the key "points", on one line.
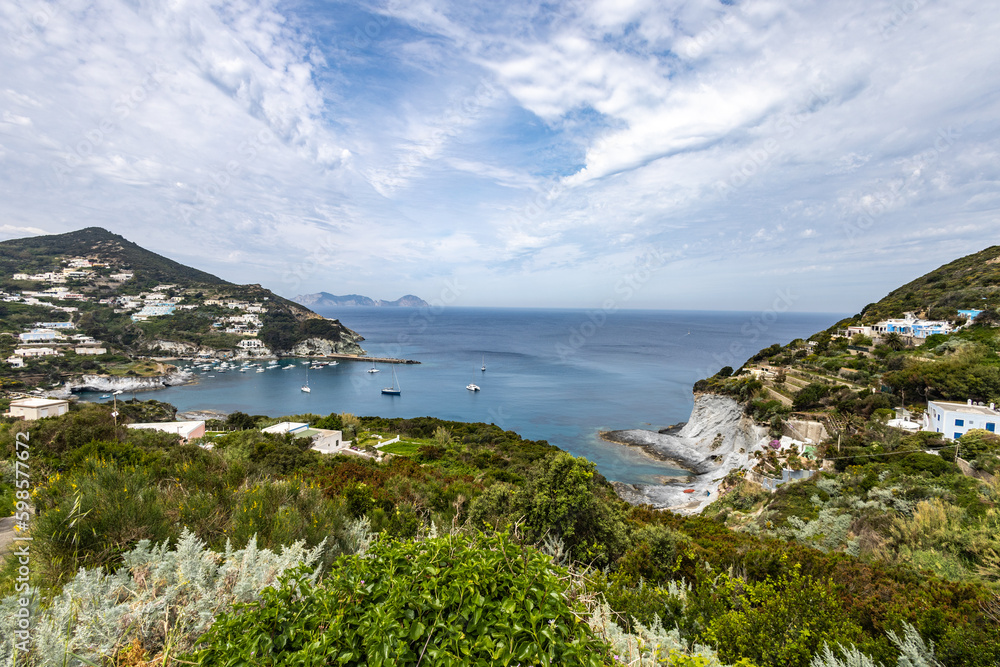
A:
{"points": [[266, 142]]}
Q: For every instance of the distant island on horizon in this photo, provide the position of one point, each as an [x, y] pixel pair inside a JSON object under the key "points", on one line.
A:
{"points": [[327, 300]]}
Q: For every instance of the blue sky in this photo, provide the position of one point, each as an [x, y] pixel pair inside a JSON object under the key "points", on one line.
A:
{"points": [[615, 153]]}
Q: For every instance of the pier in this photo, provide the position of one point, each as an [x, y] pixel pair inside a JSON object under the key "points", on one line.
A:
{"points": [[356, 357]]}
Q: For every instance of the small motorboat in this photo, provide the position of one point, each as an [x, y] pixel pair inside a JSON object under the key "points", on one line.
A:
{"points": [[688, 490]]}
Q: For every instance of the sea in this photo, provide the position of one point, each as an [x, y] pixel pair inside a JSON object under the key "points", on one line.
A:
{"points": [[557, 375]]}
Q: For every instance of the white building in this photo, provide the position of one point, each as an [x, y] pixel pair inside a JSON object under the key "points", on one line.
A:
{"points": [[15, 361], [860, 329], [186, 431], [90, 350], [154, 310], [286, 427], [39, 335], [37, 352], [38, 408], [913, 326], [953, 420]]}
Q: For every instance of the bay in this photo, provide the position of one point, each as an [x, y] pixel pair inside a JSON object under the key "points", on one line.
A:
{"points": [[557, 375]]}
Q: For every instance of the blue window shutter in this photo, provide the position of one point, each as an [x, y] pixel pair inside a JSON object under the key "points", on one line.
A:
{"points": [[991, 427]]}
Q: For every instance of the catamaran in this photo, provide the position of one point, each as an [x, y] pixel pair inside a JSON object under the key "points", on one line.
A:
{"points": [[472, 386], [373, 369]]}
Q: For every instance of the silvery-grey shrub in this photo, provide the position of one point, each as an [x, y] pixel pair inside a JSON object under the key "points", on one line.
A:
{"points": [[158, 597]]}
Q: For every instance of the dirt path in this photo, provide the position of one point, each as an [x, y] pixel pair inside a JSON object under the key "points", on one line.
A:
{"points": [[781, 397], [7, 535]]}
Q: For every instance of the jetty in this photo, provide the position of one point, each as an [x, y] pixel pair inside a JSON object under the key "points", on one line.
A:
{"points": [[360, 357]]}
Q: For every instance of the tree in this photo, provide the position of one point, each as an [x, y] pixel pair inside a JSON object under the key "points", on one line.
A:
{"points": [[893, 341], [240, 421], [987, 318], [566, 498], [861, 340], [810, 395]]}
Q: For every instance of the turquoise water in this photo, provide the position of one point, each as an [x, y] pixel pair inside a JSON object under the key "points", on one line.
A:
{"points": [[557, 375]]}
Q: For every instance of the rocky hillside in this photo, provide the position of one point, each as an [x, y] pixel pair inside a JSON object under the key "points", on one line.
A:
{"points": [[969, 282]]}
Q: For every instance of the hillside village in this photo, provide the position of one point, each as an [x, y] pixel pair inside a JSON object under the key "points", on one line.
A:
{"points": [[89, 277], [93, 302]]}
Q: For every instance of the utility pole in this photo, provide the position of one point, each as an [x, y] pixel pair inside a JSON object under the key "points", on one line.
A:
{"points": [[114, 413]]}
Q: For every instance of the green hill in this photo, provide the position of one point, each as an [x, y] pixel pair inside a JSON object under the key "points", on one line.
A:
{"points": [[970, 282], [40, 253], [101, 282]]}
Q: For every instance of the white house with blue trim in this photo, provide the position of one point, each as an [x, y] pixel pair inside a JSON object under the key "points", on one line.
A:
{"points": [[154, 310], [911, 325], [39, 336], [953, 420]]}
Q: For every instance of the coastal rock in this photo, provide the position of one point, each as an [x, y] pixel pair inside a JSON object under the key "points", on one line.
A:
{"points": [[717, 438], [312, 347], [183, 349], [109, 384]]}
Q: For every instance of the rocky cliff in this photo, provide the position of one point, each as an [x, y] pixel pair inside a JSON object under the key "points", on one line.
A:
{"points": [[110, 383], [322, 346], [717, 438]]}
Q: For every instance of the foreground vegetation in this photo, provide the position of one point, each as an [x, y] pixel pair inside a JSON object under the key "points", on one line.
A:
{"points": [[480, 548]]}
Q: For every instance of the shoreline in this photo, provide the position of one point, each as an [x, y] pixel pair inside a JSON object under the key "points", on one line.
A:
{"points": [[321, 357], [648, 450]]}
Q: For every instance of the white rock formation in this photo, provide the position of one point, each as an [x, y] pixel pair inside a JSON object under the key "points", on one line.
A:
{"points": [[718, 437]]}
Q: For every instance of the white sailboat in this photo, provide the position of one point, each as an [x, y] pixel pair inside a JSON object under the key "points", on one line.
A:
{"points": [[373, 369], [394, 390], [484, 364], [305, 387]]}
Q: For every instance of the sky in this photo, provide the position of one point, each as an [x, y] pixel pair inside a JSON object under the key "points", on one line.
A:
{"points": [[609, 154]]}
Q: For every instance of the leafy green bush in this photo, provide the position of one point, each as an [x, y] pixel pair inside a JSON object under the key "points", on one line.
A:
{"points": [[444, 601], [564, 496], [810, 396], [781, 621]]}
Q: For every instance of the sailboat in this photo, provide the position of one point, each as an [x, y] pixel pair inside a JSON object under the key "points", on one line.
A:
{"points": [[305, 387], [394, 390], [373, 369], [484, 364]]}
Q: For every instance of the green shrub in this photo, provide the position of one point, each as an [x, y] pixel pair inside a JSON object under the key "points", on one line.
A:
{"points": [[444, 601], [780, 621]]}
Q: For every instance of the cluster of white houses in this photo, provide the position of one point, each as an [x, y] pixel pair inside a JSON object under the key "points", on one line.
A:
{"points": [[910, 326], [76, 268], [52, 339]]}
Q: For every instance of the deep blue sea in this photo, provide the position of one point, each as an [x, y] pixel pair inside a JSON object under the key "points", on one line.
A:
{"points": [[557, 375]]}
